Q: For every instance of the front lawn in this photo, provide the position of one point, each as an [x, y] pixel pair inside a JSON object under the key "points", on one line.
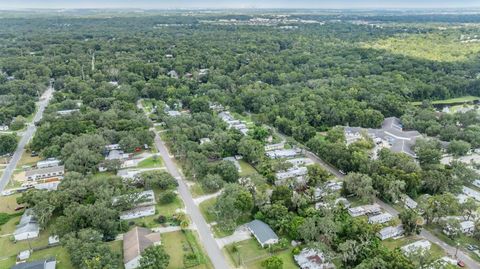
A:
{"points": [[250, 254], [181, 244], [151, 162], [247, 169], [9, 203]]}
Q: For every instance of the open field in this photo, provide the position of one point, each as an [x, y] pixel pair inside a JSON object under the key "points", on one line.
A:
{"points": [[9, 203], [249, 254], [435, 251], [432, 47], [458, 100]]}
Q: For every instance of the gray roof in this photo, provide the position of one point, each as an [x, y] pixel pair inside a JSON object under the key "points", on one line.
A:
{"points": [[28, 223], [41, 264], [391, 131], [47, 170], [262, 231]]}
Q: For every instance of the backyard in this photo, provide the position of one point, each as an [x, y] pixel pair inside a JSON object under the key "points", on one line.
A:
{"points": [[182, 244]]}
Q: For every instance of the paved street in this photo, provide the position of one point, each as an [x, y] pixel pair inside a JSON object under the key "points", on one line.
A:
{"points": [[27, 135], [206, 237]]}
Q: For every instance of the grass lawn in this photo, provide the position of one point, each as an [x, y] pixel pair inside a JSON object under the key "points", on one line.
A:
{"points": [[161, 209], [26, 159], [9, 248], [247, 169], [196, 190], [151, 162], [117, 247], [176, 245], [464, 99], [205, 207], [436, 251], [8, 203], [250, 254]]}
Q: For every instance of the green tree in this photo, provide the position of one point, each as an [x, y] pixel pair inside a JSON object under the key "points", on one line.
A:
{"points": [[251, 149], [154, 257], [274, 262], [409, 219], [458, 148], [8, 144]]}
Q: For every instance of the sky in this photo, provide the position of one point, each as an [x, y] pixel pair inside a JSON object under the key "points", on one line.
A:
{"points": [[218, 4]]}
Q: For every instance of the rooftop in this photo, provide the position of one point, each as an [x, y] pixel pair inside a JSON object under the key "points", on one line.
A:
{"points": [[262, 231], [136, 241]]}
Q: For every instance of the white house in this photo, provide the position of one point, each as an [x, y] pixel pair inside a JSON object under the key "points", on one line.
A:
{"points": [[44, 173], [380, 218], [27, 228], [67, 112], [113, 147], [409, 202], [421, 244], [466, 227], [144, 205], [262, 232], [300, 161], [50, 162], [372, 209], [390, 231], [471, 193], [135, 242], [282, 153], [117, 155], [312, 259], [4, 127], [290, 173], [277, 146]]}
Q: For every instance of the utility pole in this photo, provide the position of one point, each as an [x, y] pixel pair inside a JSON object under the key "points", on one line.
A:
{"points": [[93, 61]]}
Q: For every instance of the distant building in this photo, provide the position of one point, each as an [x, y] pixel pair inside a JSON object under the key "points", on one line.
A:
{"points": [[113, 147], [173, 74], [391, 231], [391, 133], [173, 113], [138, 212], [409, 202], [44, 173], [135, 242], [41, 264], [290, 173], [282, 153], [28, 227], [380, 218], [50, 162], [312, 259], [4, 127], [203, 72], [67, 112], [372, 209], [117, 155], [300, 161], [471, 193], [277, 146], [263, 233], [128, 174], [466, 227], [418, 245], [168, 56]]}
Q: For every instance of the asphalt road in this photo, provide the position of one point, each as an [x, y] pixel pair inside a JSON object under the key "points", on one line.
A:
{"points": [[424, 233], [206, 237], [27, 135]]}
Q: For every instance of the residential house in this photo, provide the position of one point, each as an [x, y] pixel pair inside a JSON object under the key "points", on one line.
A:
{"points": [[135, 242], [380, 218], [27, 227], [300, 161], [4, 127], [203, 72], [292, 172], [44, 173], [372, 209], [413, 247], [173, 74], [391, 231], [40, 264], [409, 202], [277, 146], [67, 112], [50, 162], [262, 232], [471, 193], [476, 183], [117, 155], [128, 174], [50, 185], [113, 147], [144, 205], [173, 113], [312, 259], [466, 227], [282, 153]]}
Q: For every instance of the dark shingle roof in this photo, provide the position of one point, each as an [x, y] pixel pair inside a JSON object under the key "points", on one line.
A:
{"points": [[262, 231]]}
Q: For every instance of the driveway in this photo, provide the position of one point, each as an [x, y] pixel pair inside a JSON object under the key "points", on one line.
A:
{"points": [[240, 234]]}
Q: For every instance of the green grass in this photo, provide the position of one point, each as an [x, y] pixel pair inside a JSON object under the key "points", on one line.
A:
{"points": [[9, 203], [247, 169], [205, 207], [251, 254], [161, 209], [436, 251], [151, 162], [433, 47], [196, 190], [175, 245], [117, 247], [464, 99], [463, 240], [9, 248]]}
